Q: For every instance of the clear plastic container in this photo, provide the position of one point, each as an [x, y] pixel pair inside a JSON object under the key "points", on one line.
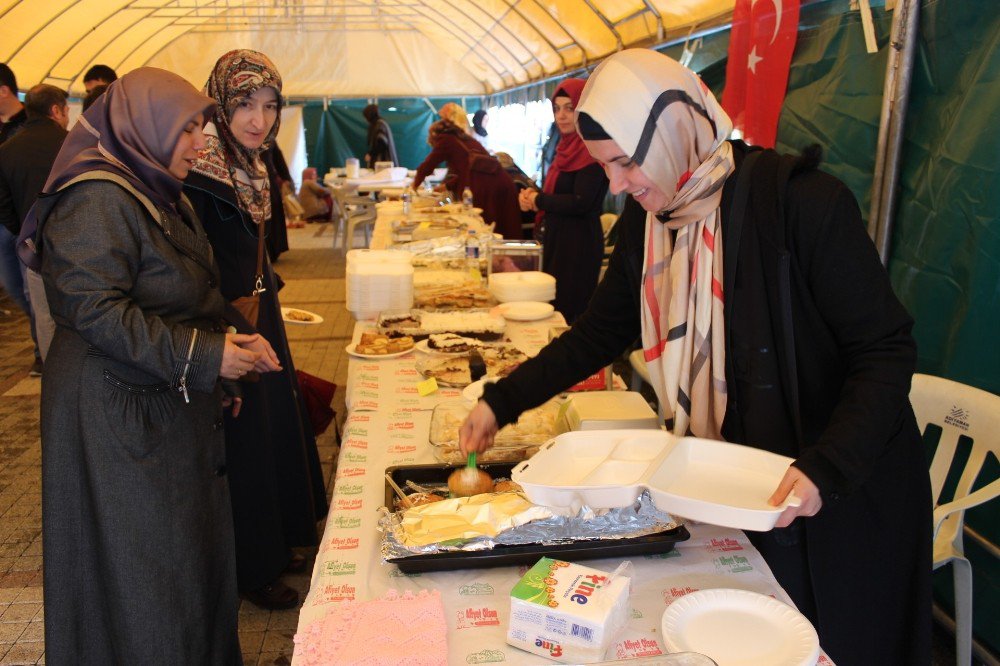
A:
{"points": [[512, 443]]}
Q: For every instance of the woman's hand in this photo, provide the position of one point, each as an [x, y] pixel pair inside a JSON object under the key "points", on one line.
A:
{"points": [[526, 199], [234, 402], [237, 361], [797, 482], [267, 360], [478, 430]]}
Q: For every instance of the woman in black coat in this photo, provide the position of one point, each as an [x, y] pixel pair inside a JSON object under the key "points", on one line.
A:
{"points": [[789, 339], [569, 206], [274, 473]]}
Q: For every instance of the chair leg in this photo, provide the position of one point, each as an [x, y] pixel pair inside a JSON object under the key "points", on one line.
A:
{"points": [[962, 576]]}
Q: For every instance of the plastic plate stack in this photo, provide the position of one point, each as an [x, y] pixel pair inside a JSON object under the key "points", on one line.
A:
{"points": [[377, 281], [523, 286]]}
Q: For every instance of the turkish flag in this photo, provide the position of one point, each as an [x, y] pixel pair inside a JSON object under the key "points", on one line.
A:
{"points": [[760, 51]]}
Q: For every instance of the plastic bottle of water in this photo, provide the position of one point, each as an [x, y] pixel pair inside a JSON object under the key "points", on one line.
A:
{"points": [[407, 199], [467, 199], [472, 249]]}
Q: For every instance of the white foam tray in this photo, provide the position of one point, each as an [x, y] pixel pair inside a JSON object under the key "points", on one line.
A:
{"points": [[699, 479]]}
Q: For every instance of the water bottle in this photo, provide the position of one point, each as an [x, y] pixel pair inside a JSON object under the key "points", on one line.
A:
{"points": [[472, 249], [407, 199], [467, 199]]}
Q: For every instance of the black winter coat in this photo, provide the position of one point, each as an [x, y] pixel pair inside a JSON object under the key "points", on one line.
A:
{"points": [[819, 360], [274, 474], [573, 246]]}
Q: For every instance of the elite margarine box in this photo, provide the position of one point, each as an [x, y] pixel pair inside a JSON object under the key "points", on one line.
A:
{"points": [[567, 612]]}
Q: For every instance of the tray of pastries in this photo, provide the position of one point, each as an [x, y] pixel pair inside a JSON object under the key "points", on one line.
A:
{"points": [[429, 483], [513, 443], [452, 298]]}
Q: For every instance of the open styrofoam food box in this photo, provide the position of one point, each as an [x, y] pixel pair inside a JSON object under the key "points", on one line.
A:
{"points": [[699, 479]]}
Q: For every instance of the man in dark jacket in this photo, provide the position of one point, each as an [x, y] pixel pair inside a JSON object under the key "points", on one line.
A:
{"points": [[25, 162], [12, 114]]}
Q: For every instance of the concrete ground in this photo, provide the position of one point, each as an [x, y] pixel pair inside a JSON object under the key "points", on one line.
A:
{"points": [[314, 276]]}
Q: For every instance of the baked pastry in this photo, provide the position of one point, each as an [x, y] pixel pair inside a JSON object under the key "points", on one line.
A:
{"points": [[379, 344], [500, 361], [451, 343], [298, 315], [506, 485]]}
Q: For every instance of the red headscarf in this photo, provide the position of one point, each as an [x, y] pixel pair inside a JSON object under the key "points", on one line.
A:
{"points": [[571, 154]]}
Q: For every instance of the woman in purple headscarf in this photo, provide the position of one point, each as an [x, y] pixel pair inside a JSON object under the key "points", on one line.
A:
{"points": [[138, 538]]}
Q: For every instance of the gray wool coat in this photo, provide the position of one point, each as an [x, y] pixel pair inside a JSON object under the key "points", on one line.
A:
{"points": [[137, 530]]}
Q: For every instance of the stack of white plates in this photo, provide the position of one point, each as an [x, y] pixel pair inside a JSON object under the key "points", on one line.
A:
{"points": [[378, 281], [523, 286]]}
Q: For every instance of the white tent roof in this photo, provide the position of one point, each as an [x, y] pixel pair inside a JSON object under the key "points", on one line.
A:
{"points": [[344, 48]]}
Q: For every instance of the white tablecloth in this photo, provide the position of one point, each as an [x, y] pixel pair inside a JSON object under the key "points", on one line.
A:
{"points": [[375, 385], [392, 429]]}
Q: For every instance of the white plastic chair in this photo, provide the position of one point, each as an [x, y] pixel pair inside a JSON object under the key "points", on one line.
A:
{"points": [[958, 410], [640, 374], [350, 211]]}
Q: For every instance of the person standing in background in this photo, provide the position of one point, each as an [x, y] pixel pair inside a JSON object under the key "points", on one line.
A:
{"points": [[479, 121], [569, 207], [469, 165], [25, 162], [456, 115], [13, 116], [275, 480], [99, 75], [381, 147]]}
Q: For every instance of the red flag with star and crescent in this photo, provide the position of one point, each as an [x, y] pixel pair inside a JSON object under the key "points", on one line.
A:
{"points": [[760, 52]]}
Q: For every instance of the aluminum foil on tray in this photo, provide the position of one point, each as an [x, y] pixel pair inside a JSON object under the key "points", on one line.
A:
{"points": [[640, 519]]}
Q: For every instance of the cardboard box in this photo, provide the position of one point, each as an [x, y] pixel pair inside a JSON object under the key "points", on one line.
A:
{"points": [[567, 612]]}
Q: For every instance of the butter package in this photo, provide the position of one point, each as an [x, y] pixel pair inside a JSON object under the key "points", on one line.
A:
{"points": [[567, 612]]}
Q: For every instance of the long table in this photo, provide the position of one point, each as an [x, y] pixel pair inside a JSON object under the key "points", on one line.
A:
{"points": [[386, 426]]}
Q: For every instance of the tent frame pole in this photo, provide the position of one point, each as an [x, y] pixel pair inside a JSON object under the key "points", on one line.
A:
{"points": [[895, 99]]}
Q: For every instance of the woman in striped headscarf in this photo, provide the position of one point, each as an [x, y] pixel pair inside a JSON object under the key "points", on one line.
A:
{"points": [[766, 319]]}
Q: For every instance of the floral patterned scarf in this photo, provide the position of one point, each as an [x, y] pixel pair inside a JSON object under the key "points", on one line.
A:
{"points": [[237, 75]]}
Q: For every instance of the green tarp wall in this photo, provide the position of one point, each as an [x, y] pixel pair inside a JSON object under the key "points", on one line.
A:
{"points": [[945, 259], [340, 131]]}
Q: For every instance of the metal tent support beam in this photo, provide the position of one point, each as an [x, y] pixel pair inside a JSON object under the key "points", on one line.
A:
{"points": [[895, 98]]}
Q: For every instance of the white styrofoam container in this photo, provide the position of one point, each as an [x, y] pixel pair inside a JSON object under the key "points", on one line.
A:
{"points": [[608, 410], [700, 479]]}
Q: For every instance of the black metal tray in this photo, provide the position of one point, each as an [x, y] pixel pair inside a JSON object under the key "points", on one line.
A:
{"points": [[503, 556]]}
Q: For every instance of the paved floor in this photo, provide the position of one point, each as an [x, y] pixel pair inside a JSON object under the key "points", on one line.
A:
{"points": [[314, 276]]}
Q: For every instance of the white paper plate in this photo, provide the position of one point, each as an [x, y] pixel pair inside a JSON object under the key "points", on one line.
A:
{"points": [[373, 357], [526, 310], [740, 628], [474, 391], [422, 347], [316, 319]]}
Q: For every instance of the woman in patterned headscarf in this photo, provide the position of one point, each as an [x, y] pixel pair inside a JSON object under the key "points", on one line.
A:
{"points": [[274, 474], [741, 271]]}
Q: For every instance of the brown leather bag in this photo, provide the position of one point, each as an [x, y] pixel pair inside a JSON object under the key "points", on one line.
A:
{"points": [[249, 306]]}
